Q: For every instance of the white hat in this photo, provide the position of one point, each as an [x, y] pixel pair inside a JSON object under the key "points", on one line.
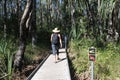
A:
{"points": [[56, 30]]}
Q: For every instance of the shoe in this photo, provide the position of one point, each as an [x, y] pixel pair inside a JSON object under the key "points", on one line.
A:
{"points": [[55, 62], [58, 58]]}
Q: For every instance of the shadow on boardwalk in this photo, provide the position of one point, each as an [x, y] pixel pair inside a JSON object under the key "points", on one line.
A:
{"points": [[54, 71]]}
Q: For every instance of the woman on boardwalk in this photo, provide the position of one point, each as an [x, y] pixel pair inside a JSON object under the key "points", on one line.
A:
{"points": [[56, 42]]}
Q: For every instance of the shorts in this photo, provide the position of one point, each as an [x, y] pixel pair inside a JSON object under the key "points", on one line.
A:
{"points": [[55, 49]]}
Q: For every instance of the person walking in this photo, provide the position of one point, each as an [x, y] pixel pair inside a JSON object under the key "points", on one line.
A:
{"points": [[56, 43]]}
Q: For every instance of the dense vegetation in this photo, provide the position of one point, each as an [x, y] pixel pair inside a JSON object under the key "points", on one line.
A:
{"points": [[106, 65], [26, 25]]}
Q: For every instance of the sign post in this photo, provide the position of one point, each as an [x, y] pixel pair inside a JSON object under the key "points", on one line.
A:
{"points": [[92, 59]]}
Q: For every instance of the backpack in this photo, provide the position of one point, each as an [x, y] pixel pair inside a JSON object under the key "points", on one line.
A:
{"points": [[55, 39]]}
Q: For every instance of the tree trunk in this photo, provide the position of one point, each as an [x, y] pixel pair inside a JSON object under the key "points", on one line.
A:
{"points": [[57, 11], [41, 15], [72, 7], [18, 13], [24, 27], [49, 8], [115, 18], [33, 25], [99, 19], [47, 14], [5, 19]]}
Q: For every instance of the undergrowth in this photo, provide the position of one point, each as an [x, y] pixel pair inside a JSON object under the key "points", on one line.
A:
{"points": [[106, 66]]}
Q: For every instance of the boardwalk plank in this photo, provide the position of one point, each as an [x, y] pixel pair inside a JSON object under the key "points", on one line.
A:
{"points": [[54, 71]]}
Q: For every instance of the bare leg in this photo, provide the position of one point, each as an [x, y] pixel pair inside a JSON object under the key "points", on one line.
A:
{"points": [[58, 55], [55, 58]]}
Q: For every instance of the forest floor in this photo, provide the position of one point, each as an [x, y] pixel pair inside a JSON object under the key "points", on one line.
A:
{"points": [[28, 69]]}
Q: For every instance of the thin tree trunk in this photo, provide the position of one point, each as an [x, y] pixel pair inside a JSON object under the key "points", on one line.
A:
{"points": [[49, 13], [33, 25], [99, 19], [18, 12], [41, 15], [24, 25], [50, 7], [58, 12], [64, 21], [92, 22], [72, 7], [5, 19], [115, 18]]}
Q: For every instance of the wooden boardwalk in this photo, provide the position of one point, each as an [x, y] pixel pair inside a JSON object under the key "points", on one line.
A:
{"points": [[54, 71]]}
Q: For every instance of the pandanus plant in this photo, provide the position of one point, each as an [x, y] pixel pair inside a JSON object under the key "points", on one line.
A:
{"points": [[6, 57]]}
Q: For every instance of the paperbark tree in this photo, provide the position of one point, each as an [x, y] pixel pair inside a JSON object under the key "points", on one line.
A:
{"points": [[24, 29]]}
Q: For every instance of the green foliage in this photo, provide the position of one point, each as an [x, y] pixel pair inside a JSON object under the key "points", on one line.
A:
{"points": [[30, 54], [79, 50], [84, 20], [44, 38], [79, 29], [107, 61], [80, 63], [107, 64], [6, 55]]}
